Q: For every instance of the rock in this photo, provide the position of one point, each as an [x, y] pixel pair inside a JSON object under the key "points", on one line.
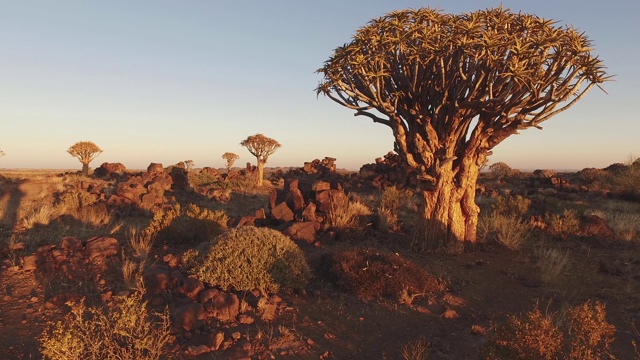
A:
{"points": [[188, 316], [109, 169], [593, 225], [221, 305], [155, 168], [304, 231], [296, 201], [156, 280], [245, 319], [217, 340], [195, 350], [329, 200], [219, 195], [190, 288], [450, 314], [179, 178], [30, 262], [71, 243], [101, 246], [322, 186], [309, 213], [282, 212]]}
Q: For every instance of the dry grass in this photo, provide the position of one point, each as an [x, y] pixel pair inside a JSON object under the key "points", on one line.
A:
{"points": [[552, 263], [348, 217], [140, 242], [507, 230], [416, 350]]}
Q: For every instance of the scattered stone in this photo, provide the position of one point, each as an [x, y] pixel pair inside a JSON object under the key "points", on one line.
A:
{"points": [[190, 288], [188, 316], [195, 350]]}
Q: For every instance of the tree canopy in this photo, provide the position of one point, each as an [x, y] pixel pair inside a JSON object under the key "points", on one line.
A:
{"points": [[428, 75], [261, 147], [452, 87], [85, 151]]}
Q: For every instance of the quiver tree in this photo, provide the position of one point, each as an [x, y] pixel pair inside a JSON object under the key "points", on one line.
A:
{"points": [[452, 87], [261, 147], [85, 151], [230, 158]]}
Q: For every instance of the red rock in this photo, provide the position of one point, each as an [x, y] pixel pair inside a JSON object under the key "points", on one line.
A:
{"points": [[189, 316], [156, 280], [71, 243], [102, 246], [190, 288], [30, 262], [305, 231], [194, 350], [296, 201], [222, 305], [155, 168], [282, 212], [322, 186], [309, 213]]}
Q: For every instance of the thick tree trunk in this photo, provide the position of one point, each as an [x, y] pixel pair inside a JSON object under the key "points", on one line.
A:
{"points": [[451, 202], [85, 169], [260, 173]]}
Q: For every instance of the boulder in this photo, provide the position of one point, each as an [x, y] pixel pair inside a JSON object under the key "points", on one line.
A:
{"points": [[189, 316], [282, 212], [109, 169], [101, 246], [155, 168], [222, 305], [303, 231]]}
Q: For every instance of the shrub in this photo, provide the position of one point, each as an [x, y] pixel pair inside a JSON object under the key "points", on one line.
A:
{"points": [[528, 336], [386, 219], [552, 262], [416, 350], [393, 198], [507, 230], [123, 331], [246, 258], [563, 225], [348, 216], [369, 274], [591, 334], [190, 225], [512, 205], [500, 170]]}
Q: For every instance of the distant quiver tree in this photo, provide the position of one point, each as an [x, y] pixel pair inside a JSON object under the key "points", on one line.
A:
{"points": [[85, 151], [261, 147], [452, 87], [230, 158]]}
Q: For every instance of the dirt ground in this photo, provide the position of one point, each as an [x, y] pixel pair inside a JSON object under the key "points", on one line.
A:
{"points": [[483, 287]]}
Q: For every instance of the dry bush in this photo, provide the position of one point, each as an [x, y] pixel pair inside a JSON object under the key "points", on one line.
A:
{"points": [[369, 274], [563, 225], [386, 219], [507, 230], [131, 273], [591, 335], [393, 198], [416, 350], [42, 215], [552, 263], [348, 217], [622, 216], [246, 258], [140, 242], [500, 170], [527, 336], [125, 330], [626, 182], [190, 225], [511, 205]]}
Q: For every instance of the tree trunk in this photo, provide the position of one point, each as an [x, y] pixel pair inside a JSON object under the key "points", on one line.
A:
{"points": [[260, 174], [451, 202], [85, 169]]}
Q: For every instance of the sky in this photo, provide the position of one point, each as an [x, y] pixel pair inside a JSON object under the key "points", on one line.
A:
{"points": [[167, 81]]}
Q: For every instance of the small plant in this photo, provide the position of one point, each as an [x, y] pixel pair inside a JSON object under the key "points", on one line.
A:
{"points": [[393, 198], [563, 225], [512, 205], [552, 262], [140, 242], [386, 219], [528, 336], [247, 258], [125, 330], [416, 350], [591, 334], [507, 230], [348, 216]]}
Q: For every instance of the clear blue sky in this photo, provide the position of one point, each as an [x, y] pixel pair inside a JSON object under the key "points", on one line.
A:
{"points": [[165, 81]]}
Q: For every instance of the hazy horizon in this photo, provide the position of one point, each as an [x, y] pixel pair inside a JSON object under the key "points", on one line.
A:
{"points": [[166, 82]]}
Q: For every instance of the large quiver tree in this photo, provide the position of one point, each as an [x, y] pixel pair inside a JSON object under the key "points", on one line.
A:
{"points": [[261, 147], [451, 87], [85, 151]]}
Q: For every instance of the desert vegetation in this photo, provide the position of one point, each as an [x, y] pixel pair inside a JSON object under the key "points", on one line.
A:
{"points": [[419, 255]]}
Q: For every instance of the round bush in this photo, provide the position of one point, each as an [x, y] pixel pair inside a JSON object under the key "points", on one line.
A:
{"points": [[246, 258]]}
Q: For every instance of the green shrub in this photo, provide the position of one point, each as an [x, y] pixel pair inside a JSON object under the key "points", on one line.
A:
{"points": [[190, 225], [246, 258], [124, 331]]}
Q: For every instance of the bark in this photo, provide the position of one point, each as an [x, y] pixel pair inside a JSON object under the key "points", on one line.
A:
{"points": [[260, 173], [451, 201], [85, 169]]}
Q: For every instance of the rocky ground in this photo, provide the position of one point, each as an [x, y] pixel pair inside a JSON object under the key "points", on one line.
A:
{"points": [[78, 254]]}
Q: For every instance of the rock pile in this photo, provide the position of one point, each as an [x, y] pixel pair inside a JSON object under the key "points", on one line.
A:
{"points": [[145, 190], [387, 171], [110, 170]]}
